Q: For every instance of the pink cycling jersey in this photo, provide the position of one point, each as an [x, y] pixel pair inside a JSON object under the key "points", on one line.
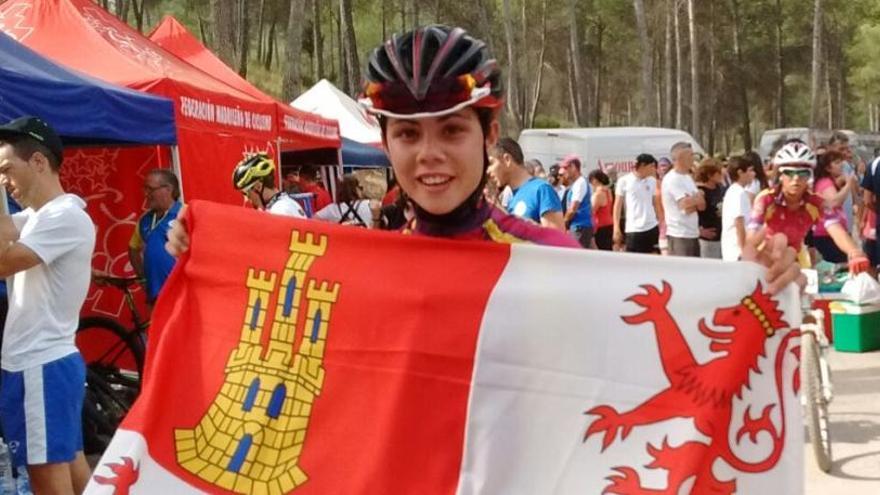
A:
{"points": [[490, 223]]}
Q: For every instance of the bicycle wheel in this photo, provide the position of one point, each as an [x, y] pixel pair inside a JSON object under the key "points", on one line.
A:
{"points": [[816, 404], [114, 360]]}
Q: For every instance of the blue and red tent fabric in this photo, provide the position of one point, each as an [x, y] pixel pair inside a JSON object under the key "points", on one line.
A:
{"points": [[82, 109]]}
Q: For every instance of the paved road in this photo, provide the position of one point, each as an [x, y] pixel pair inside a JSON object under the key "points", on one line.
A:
{"points": [[855, 429]]}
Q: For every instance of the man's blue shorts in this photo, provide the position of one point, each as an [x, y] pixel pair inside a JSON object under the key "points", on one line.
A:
{"points": [[41, 411]]}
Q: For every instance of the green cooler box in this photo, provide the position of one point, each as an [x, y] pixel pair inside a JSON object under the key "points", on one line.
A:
{"points": [[856, 328]]}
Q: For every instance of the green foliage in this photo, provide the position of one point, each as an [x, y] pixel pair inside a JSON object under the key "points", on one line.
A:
{"points": [[610, 50]]}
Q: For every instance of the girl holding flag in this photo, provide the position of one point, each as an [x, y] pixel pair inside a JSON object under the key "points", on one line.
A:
{"points": [[437, 93]]}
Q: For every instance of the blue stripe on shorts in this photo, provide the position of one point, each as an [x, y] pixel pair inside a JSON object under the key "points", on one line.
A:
{"points": [[41, 411]]}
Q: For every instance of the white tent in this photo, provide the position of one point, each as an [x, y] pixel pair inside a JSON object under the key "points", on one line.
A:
{"points": [[328, 101]]}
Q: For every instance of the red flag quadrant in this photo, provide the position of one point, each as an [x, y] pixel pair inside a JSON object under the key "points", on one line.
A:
{"points": [[290, 356]]}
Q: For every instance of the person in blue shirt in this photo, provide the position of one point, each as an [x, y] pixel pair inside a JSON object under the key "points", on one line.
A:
{"points": [[578, 212], [146, 250], [533, 198]]}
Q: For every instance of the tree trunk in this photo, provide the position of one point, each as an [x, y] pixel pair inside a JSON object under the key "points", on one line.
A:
{"points": [[261, 28], [646, 107], [138, 9], [816, 85], [244, 38], [780, 69], [203, 34], [746, 125], [668, 114], [403, 16], [414, 13], [576, 61], [318, 40], [270, 46], [572, 94], [486, 24], [513, 97], [679, 97], [292, 79], [696, 130], [352, 65], [224, 30], [536, 93], [599, 62], [342, 77]]}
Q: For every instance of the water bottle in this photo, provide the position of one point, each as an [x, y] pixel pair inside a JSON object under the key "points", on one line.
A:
{"points": [[22, 482], [7, 481]]}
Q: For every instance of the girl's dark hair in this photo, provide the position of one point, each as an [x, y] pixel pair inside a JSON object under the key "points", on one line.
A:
{"points": [[600, 176], [758, 163], [823, 164], [348, 189], [738, 165]]}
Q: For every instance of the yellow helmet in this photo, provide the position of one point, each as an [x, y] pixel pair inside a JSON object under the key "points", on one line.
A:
{"points": [[252, 170]]}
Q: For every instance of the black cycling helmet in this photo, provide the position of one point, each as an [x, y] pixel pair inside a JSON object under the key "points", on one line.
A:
{"points": [[431, 71], [251, 170]]}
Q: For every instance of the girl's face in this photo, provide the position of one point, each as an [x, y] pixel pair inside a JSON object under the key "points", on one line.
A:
{"points": [[836, 168], [438, 161]]}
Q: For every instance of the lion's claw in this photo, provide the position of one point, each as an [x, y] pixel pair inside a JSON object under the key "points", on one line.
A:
{"points": [[609, 421]]}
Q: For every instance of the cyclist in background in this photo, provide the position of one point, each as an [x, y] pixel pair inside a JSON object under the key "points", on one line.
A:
{"points": [[254, 177], [792, 209]]}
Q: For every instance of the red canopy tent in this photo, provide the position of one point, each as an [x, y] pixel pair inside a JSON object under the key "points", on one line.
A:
{"points": [[173, 36], [216, 123]]}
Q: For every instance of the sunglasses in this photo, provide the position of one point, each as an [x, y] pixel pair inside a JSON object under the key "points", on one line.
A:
{"points": [[151, 190], [796, 172]]}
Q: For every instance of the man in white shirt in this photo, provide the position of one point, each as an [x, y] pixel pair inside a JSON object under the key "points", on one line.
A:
{"points": [[47, 250], [681, 202], [255, 178], [735, 208], [636, 192]]}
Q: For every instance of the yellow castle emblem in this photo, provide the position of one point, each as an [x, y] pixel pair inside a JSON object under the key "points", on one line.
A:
{"points": [[251, 438]]}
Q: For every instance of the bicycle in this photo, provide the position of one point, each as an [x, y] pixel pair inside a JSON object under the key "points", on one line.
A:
{"points": [[815, 376], [114, 357]]}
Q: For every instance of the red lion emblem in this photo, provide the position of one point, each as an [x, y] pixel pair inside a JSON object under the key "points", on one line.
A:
{"points": [[126, 476], [703, 391]]}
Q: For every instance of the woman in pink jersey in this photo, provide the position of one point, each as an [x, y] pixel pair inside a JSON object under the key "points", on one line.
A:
{"points": [[829, 169]]}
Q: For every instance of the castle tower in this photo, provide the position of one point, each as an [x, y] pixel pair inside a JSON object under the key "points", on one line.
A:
{"points": [[252, 435]]}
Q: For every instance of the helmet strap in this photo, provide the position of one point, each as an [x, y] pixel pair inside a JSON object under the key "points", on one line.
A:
{"points": [[260, 194]]}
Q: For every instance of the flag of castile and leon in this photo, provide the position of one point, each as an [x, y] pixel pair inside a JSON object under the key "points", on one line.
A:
{"points": [[298, 357]]}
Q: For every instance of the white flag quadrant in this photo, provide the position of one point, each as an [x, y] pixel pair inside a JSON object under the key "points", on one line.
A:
{"points": [[681, 370]]}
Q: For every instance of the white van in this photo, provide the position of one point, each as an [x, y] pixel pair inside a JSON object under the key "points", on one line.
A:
{"points": [[605, 148]]}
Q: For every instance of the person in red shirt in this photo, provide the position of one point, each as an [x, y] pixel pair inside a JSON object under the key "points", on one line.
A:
{"points": [[790, 208], [308, 183], [602, 202]]}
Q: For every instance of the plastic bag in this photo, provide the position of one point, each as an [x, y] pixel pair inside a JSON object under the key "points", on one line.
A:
{"points": [[862, 289]]}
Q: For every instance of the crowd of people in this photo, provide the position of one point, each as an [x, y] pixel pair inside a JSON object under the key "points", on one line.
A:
{"points": [[683, 207], [440, 129]]}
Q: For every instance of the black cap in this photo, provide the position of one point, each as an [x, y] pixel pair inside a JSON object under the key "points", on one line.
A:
{"points": [[37, 130]]}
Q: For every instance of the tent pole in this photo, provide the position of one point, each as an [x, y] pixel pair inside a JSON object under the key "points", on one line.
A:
{"points": [[279, 176], [175, 167]]}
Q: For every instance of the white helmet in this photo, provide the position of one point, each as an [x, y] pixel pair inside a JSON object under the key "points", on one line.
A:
{"points": [[795, 153]]}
